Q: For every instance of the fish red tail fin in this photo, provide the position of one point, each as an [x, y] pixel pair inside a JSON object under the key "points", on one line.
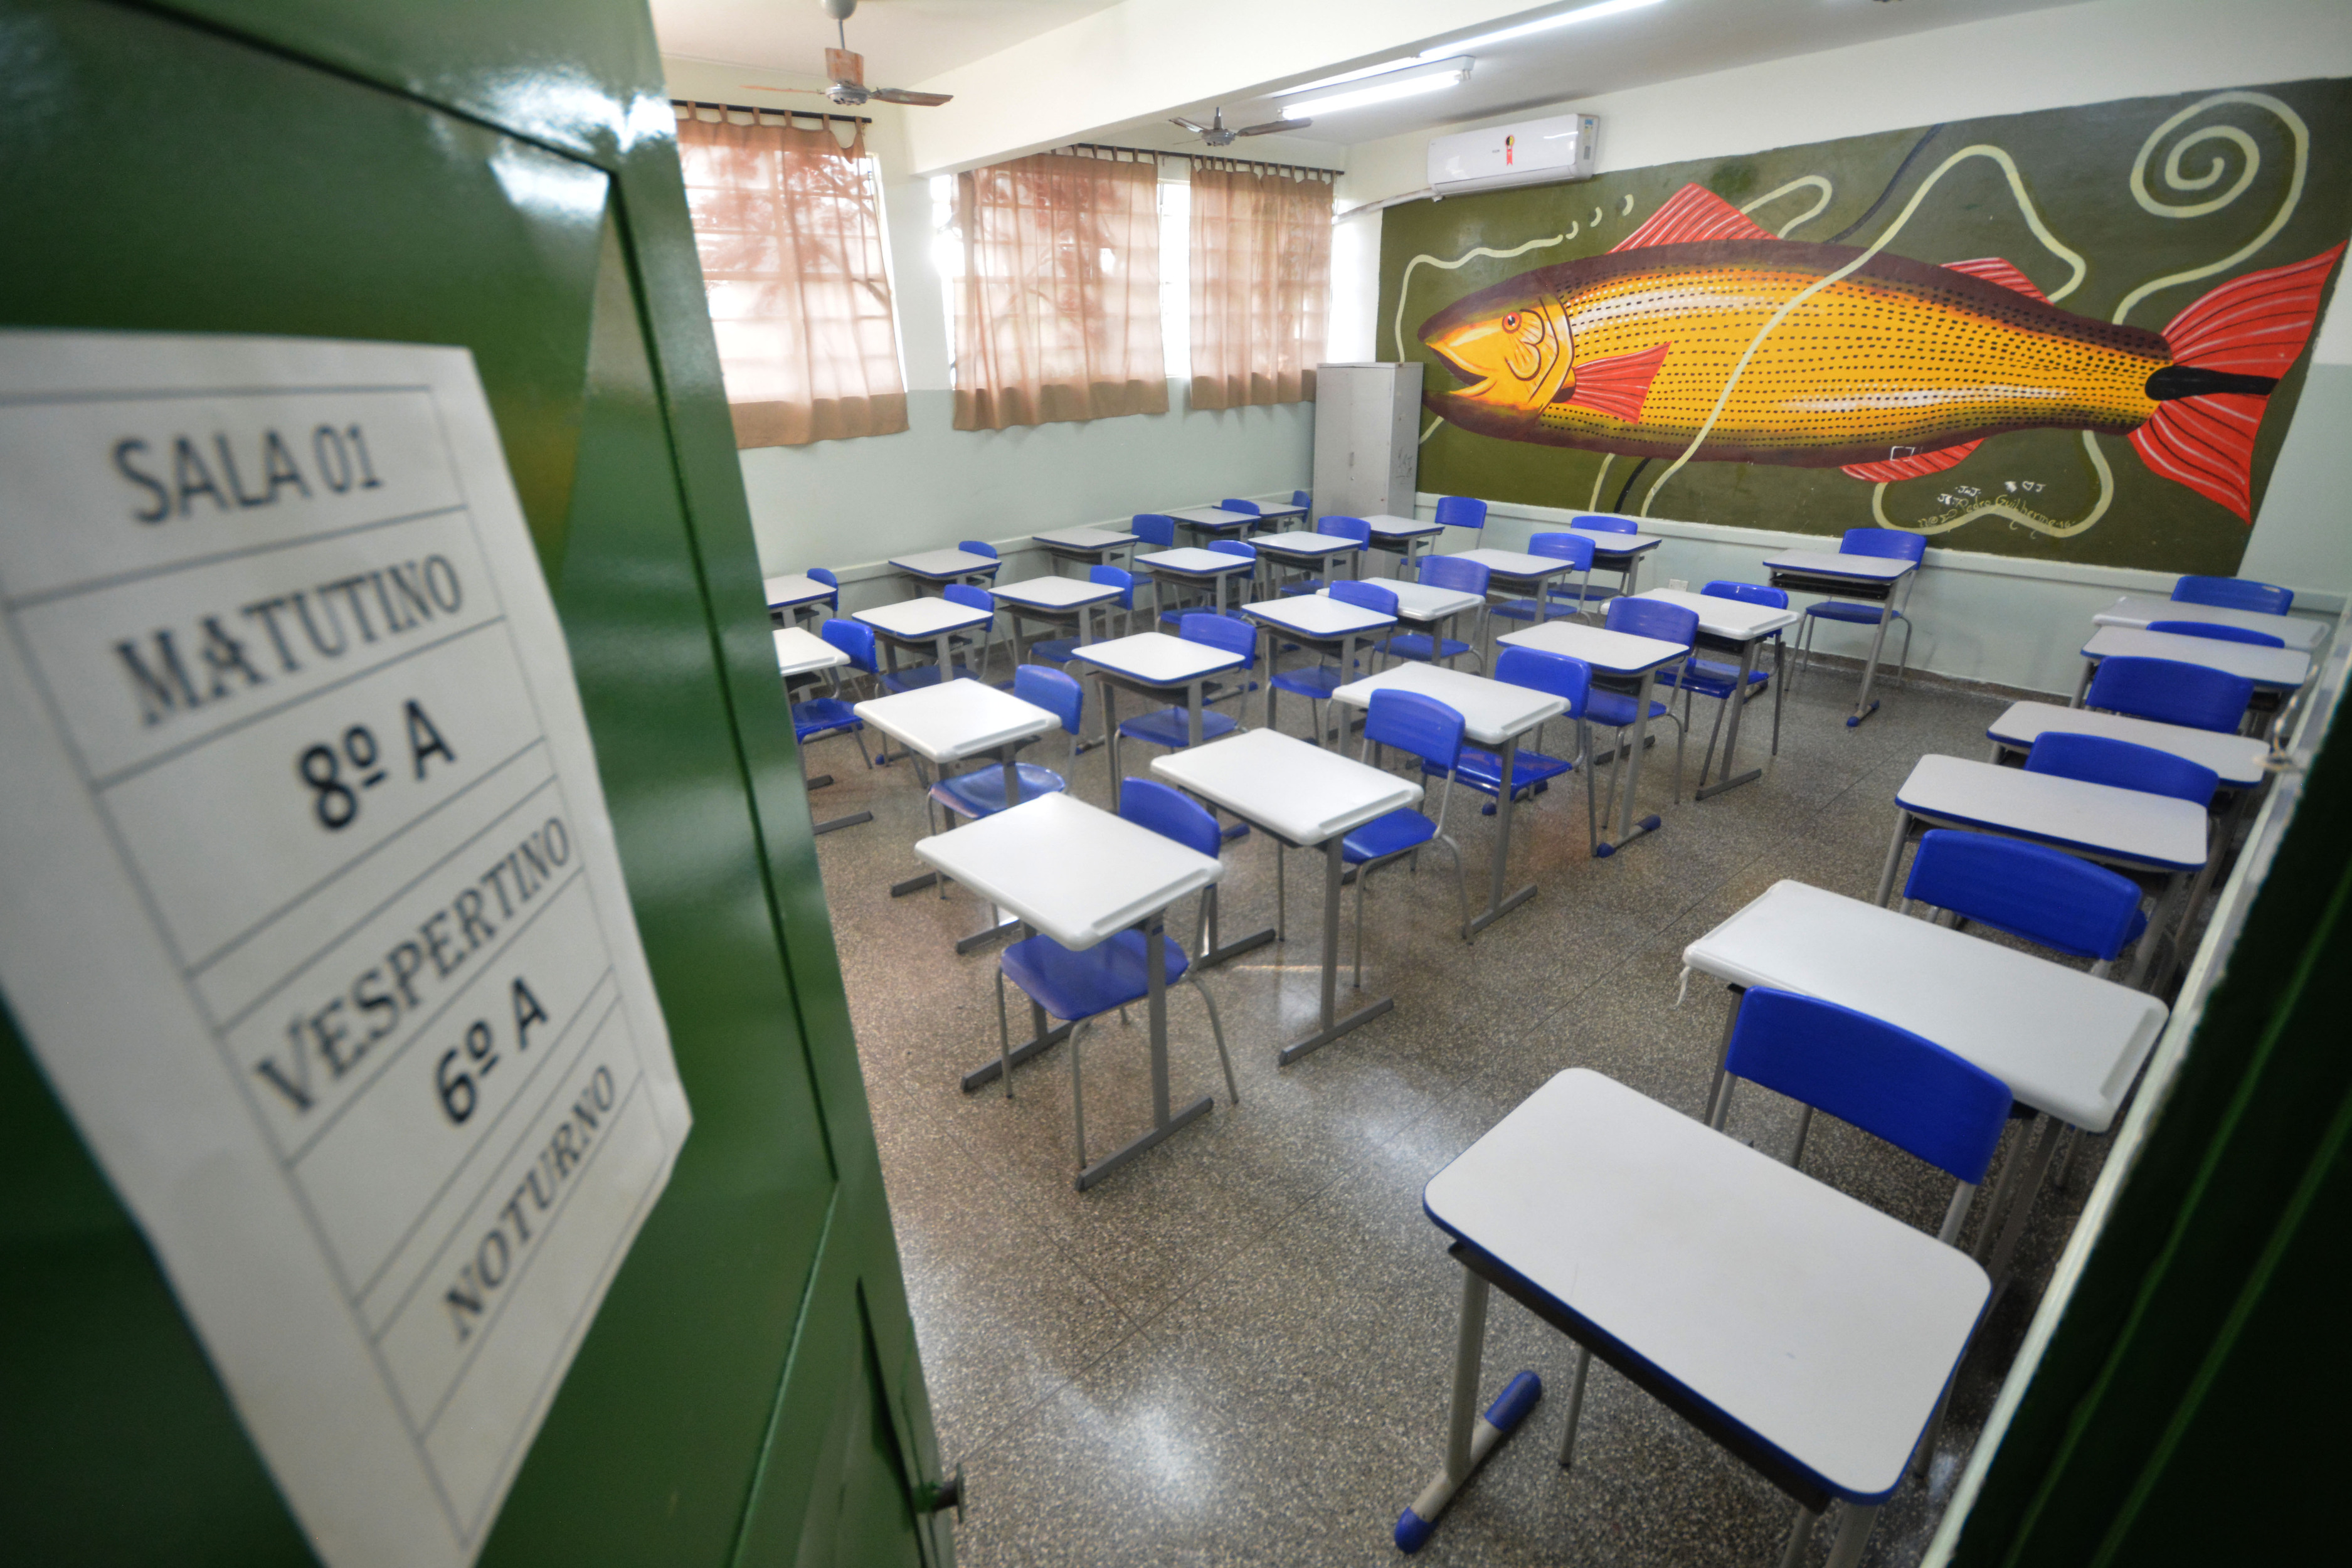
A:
{"points": [[2249, 329]]}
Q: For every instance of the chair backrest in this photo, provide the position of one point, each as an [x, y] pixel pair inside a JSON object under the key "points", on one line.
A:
{"points": [[2170, 692], [1234, 547], [1410, 723], [1653, 618], [1748, 593], [1300, 497], [977, 547], [819, 574], [1604, 522], [1057, 692], [1371, 595], [2235, 593], [1154, 528], [1555, 674], [970, 597], [1119, 578], [1890, 543], [2218, 632], [1906, 1089], [2102, 759], [1354, 527], [1453, 572], [1461, 511], [1147, 802], [1229, 504], [855, 639], [1230, 633], [1573, 548], [2031, 891]]}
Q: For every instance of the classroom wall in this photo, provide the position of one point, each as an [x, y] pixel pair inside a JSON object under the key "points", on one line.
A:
{"points": [[851, 504], [1981, 618]]}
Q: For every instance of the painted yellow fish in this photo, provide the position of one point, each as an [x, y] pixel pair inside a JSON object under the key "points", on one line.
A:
{"points": [[1897, 370]]}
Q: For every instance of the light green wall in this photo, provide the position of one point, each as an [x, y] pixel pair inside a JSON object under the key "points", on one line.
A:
{"points": [[2304, 536]]}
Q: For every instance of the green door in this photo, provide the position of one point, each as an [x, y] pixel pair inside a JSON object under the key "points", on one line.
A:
{"points": [[499, 175]]}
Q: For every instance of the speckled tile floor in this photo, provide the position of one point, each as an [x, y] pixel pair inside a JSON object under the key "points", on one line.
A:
{"points": [[1237, 1350]]}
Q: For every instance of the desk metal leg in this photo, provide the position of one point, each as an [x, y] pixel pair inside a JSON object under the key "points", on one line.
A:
{"points": [[1497, 906], [1855, 1522], [2083, 685], [1470, 1437], [1039, 1042], [1863, 706], [1110, 734], [2029, 1185], [2169, 909], [1729, 780], [1633, 766], [1893, 856], [1334, 869], [1163, 1123]]}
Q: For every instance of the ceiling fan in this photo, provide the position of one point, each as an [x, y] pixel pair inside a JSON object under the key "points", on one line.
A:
{"points": [[1216, 135], [848, 70]]}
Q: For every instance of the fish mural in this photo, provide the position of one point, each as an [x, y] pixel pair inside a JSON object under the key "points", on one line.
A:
{"points": [[1881, 367]]}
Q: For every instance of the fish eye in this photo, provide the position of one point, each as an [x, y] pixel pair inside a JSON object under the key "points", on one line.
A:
{"points": [[1511, 323]]}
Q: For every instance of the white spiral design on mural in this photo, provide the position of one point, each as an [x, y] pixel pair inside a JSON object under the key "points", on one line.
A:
{"points": [[2251, 162]]}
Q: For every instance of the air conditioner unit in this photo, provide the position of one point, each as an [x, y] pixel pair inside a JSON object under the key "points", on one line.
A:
{"points": [[1534, 152]]}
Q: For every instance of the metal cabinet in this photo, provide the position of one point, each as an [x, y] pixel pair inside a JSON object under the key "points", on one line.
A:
{"points": [[1366, 439]]}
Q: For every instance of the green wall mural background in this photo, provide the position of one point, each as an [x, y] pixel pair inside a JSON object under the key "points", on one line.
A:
{"points": [[2120, 214]]}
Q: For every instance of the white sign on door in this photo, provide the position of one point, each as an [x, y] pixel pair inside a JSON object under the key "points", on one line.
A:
{"points": [[310, 907]]}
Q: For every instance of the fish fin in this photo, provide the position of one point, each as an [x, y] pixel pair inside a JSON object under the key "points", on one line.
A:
{"points": [[1693, 213], [2253, 325], [1919, 465], [1617, 385], [1994, 269]]}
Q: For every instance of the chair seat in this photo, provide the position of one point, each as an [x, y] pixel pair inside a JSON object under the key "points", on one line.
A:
{"points": [[1846, 610], [819, 715], [1080, 984], [1483, 770], [1416, 646], [1708, 679], [915, 679], [980, 793], [1169, 727], [1615, 710], [1054, 650], [1318, 683], [1518, 610], [1309, 584], [1401, 829]]}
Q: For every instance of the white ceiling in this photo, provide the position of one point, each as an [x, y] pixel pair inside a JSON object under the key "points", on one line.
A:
{"points": [[904, 41], [1656, 43]]}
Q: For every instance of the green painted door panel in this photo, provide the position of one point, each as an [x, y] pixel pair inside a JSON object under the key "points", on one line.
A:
{"points": [[750, 1387]]}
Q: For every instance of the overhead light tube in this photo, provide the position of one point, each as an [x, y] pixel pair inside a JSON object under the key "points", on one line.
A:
{"points": [[1455, 73]]}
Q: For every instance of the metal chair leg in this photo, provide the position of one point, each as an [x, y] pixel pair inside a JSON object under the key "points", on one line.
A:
{"points": [[1078, 1091], [1003, 1039], [1363, 876], [1461, 879], [1217, 1031]]}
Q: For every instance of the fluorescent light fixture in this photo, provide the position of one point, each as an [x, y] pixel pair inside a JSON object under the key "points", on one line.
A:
{"points": [[1469, 45], [1456, 72]]}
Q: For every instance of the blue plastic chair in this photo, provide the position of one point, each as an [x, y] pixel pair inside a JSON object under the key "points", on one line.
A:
{"points": [[972, 598], [1060, 651], [2234, 593], [1251, 507], [832, 600], [1154, 528], [1301, 497], [1249, 584], [2170, 692], [835, 715], [1604, 523], [2102, 759], [1532, 770], [1461, 511], [1890, 543], [1712, 678], [2218, 632], [1354, 527], [1575, 549], [1169, 727], [2031, 891], [1428, 648], [1421, 727], [1318, 683], [980, 792], [1082, 985], [1616, 709], [1885, 1081]]}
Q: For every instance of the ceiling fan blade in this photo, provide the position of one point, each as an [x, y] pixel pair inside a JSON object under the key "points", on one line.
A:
{"points": [[1275, 125], [845, 64], [757, 87], [1192, 125], [921, 99]]}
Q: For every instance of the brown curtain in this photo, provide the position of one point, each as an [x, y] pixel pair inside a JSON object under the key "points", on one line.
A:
{"points": [[1057, 314], [1261, 286], [791, 241]]}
